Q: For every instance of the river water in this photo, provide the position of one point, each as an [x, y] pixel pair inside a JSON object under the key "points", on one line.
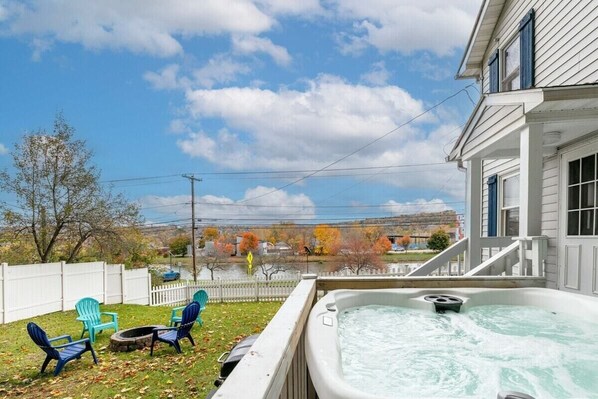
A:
{"points": [[236, 271]]}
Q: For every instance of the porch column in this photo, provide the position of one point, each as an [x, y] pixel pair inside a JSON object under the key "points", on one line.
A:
{"points": [[473, 213], [530, 181]]}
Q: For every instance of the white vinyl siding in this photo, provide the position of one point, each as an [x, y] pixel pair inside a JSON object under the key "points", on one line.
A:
{"points": [[493, 120], [550, 189], [566, 38], [550, 183], [492, 167]]}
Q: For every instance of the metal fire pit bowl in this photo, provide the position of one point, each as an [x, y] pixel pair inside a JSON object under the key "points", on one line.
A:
{"points": [[132, 339]]}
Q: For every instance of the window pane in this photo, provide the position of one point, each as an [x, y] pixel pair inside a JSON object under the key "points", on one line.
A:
{"points": [[587, 223], [515, 83], [574, 172], [587, 168], [510, 192], [512, 57], [573, 198], [573, 223], [512, 222], [587, 195]]}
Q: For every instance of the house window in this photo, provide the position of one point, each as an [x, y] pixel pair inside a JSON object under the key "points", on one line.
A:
{"points": [[512, 66], [582, 197], [511, 62], [509, 208]]}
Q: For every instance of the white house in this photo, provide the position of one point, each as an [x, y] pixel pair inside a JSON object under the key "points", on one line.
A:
{"points": [[530, 146]]}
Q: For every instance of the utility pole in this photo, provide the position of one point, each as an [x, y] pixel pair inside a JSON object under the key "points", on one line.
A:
{"points": [[193, 179]]}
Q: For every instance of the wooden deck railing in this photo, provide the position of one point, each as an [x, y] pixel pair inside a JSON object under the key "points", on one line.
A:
{"points": [[275, 368]]}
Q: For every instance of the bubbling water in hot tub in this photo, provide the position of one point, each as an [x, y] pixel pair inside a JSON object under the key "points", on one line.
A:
{"points": [[396, 351]]}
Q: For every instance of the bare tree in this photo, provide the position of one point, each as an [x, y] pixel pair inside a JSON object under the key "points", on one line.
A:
{"points": [[61, 203], [359, 254], [273, 264], [214, 256]]}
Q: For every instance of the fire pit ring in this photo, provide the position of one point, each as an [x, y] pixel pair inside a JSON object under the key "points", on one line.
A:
{"points": [[132, 338]]}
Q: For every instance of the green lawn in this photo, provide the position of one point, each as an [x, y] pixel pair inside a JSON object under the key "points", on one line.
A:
{"points": [[133, 374], [408, 257]]}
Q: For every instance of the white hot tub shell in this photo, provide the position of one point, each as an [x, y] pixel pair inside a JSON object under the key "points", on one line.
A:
{"points": [[322, 342]]}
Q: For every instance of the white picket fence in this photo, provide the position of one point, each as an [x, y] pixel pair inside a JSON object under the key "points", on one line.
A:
{"points": [[33, 290], [220, 290], [247, 290]]}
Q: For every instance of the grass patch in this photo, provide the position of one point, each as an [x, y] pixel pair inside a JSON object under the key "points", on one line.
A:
{"points": [[408, 257], [133, 374]]}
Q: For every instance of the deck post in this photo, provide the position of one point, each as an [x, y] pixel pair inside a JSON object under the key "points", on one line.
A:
{"points": [[473, 214]]}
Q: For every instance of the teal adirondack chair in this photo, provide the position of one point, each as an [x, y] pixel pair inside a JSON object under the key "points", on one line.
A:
{"points": [[200, 297], [91, 317]]}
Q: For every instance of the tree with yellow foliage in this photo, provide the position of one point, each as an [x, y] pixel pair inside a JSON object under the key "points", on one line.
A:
{"points": [[328, 239]]}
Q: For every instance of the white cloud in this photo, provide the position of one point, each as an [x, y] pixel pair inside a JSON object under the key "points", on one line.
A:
{"points": [[140, 26], [166, 79], [305, 8], [413, 207], [3, 149], [378, 75], [309, 129], [277, 205], [406, 26], [245, 44], [219, 69], [291, 128], [431, 69]]}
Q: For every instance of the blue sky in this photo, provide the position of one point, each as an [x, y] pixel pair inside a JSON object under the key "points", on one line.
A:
{"points": [[224, 88]]}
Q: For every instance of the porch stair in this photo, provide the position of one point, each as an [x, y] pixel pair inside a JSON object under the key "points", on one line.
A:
{"points": [[443, 259], [502, 262]]}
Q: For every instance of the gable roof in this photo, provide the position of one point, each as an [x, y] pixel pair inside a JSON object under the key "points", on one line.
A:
{"points": [[471, 64]]}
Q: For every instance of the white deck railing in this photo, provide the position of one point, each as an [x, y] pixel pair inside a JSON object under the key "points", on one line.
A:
{"points": [[434, 265], [502, 255], [524, 257]]}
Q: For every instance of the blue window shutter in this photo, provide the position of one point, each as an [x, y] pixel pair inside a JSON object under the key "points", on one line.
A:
{"points": [[526, 44], [494, 78], [492, 205]]}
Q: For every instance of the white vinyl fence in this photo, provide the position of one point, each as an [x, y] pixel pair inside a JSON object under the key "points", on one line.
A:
{"points": [[219, 290], [33, 290]]}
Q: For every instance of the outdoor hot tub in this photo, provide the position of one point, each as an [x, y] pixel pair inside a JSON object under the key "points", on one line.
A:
{"points": [[392, 343]]}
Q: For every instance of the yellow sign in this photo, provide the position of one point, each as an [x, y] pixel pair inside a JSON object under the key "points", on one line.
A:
{"points": [[249, 262]]}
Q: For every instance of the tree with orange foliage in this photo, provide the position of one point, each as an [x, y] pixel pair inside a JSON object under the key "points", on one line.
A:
{"points": [[328, 239], [373, 233], [405, 241], [358, 254], [382, 245], [249, 242]]}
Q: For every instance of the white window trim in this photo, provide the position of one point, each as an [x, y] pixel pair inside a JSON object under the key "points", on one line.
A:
{"points": [[504, 80], [500, 229], [566, 202]]}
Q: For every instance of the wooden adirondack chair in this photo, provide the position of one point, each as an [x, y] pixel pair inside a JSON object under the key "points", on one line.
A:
{"points": [[200, 297], [91, 317], [173, 335], [62, 353]]}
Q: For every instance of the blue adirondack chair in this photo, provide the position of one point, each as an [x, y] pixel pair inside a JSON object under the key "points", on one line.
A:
{"points": [[62, 353], [91, 317], [200, 297], [173, 335]]}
